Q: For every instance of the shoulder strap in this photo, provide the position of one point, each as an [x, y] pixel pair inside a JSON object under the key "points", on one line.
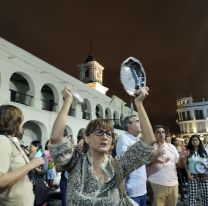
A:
{"points": [[18, 148]]}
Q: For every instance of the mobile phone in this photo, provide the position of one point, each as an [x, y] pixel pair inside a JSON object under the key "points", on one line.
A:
{"points": [[39, 153]]}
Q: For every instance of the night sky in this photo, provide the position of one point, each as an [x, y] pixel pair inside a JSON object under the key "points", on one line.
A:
{"points": [[170, 38]]}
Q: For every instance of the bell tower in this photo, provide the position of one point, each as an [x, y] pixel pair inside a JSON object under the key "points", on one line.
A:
{"points": [[91, 73]]}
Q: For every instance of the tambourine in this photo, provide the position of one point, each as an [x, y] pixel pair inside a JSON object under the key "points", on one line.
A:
{"points": [[200, 167], [132, 75]]}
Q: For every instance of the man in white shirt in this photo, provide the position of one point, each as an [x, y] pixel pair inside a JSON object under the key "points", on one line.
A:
{"points": [[162, 174], [136, 182]]}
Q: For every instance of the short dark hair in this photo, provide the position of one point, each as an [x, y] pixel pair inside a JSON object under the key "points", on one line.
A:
{"points": [[99, 123], [36, 143], [126, 121], [158, 126]]}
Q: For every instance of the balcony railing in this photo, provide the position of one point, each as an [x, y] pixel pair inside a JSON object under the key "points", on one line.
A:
{"points": [[86, 115], [185, 119], [72, 112], [20, 97], [49, 105]]}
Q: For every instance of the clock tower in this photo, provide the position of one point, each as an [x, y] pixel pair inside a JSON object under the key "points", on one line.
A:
{"points": [[91, 73]]}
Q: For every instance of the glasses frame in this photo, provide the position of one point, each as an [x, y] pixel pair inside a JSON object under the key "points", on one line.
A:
{"points": [[100, 133]]}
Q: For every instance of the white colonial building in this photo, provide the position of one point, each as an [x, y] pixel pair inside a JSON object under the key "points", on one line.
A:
{"points": [[192, 117], [35, 86]]}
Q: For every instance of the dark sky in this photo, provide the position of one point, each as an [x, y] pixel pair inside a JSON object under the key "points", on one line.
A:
{"points": [[170, 38]]}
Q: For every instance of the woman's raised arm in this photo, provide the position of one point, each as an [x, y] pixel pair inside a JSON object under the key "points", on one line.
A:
{"points": [[146, 128], [60, 122]]}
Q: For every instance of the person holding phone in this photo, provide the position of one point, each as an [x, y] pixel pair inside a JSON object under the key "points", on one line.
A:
{"points": [[15, 185], [36, 150], [51, 171], [197, 176]]}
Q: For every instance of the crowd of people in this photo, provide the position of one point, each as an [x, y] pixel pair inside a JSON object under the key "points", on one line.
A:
{"points": [[140, 167]]}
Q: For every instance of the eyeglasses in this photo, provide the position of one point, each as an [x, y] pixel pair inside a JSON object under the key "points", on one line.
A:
{"points": [[100, 132]]}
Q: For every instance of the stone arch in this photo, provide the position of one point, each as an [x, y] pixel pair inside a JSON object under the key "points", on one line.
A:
{"points": [[99, 111], [108, 114], [116, 120], [49, 97], [86, 110], [34, 130], [121, 119], [22, 89]]}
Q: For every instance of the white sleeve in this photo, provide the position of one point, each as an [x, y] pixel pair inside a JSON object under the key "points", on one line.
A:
{"points": [[122, 145], [176, 153]]}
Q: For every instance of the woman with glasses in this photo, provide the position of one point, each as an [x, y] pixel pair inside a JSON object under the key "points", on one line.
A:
{"points": [[93, 176]]}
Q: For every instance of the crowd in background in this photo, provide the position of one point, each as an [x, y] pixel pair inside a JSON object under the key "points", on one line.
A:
{"points": [[191, 187], [153, 168]]}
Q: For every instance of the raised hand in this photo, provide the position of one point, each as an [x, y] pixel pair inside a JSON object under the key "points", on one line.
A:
{"points": [[141, 94], [67, 94], [36, 162]]}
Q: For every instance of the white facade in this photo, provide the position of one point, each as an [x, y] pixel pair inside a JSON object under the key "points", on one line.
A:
{"points": [[192, 117], [35, 87]]}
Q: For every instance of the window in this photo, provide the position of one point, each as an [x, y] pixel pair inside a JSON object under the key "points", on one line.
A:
{"points": [[87, 74], [183, 116], [188, 115], [199, 114], [200, 126]]}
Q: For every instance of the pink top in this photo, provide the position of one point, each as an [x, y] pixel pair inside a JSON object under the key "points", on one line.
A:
{"points": [[47, 154], [164, 173]]}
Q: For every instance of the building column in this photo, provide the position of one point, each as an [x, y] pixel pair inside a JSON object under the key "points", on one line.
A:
{"points": [[4, 87]]}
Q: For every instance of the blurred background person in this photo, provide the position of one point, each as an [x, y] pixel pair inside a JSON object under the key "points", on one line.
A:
{"points": [[197, 178], [181, 173], [168, 139], [205, 142], [16, 187], [64, 174], [186, 141], [35, 150], [51, 171], [136, 182]]}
